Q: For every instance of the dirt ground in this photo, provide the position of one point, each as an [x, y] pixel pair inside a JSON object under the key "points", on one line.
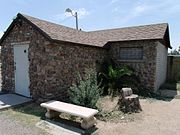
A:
{"points": [[157, 118]]}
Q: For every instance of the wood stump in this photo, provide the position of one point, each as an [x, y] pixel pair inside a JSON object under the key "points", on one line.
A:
{"points": [[129, 102], [132, 103]]}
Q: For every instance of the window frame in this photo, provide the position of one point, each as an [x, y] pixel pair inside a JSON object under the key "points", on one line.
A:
{"points": [[131, 60]]}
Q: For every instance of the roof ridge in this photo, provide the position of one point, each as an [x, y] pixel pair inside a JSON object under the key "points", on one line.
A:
{"points": [[54, 23], [129, 27]]}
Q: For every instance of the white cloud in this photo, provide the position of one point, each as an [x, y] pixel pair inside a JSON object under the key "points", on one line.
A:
{"points": [[167, 7], [1, 33], [136, 12], [175, 44], [163, 8], [113, 1], [82, 12], [115, 9], [139, 9]]}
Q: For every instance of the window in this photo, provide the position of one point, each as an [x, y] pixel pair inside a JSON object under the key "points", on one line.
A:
{"points": [[131, 53]]}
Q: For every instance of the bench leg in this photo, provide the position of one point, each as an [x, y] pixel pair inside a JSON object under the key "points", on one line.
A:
{"points": [[51, 114], [88, 123]]}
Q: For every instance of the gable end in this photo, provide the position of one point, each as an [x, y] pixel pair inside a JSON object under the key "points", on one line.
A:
{"points": [[18, 20]]}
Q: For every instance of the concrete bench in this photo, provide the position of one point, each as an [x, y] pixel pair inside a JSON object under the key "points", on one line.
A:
{"points": [[54, 108]]}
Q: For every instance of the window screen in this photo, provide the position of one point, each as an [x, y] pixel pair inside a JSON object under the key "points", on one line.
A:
{"points": [[131, 53]]}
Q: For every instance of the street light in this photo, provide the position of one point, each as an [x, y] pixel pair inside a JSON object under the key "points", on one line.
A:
{"points": [[73, 14]]}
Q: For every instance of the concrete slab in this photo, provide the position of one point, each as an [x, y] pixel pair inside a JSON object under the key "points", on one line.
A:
{"points": [[10, 100], [169, 93], [56, 128]]}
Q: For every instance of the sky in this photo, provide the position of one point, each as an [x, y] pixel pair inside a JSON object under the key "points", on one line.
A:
{"points": [[97, 14]]}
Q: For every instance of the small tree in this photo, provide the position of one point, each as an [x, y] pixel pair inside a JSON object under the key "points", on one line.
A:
{"points": [[86, 92], [175, 52]]}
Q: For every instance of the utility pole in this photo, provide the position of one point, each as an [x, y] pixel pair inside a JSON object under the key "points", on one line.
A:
{"points": [[76, 20]]}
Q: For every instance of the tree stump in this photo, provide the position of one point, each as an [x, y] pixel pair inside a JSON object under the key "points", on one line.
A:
{"points": [[132, 103], [129, 102]]}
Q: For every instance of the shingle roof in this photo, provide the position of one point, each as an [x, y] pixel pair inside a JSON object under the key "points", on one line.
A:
{"points": [[154, 31], [63, 33], [98, 38]]}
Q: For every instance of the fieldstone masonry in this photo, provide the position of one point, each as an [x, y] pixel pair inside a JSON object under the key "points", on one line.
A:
{"points": [[53, 66], [144, 68]]}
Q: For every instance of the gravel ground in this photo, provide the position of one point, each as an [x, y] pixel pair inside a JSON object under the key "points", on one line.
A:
{"points": [[13, 127], [157, 118]]}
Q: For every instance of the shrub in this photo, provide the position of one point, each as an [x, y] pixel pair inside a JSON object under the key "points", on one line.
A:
{"points": [[114, 78], [86, 92], [111, 80]]}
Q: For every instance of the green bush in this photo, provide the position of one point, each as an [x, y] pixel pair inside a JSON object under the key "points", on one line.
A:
{"points": [[114, 77], [86, 92], [111, 77]]}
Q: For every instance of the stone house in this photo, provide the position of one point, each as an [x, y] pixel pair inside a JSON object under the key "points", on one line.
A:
{"points": [[40, 59]]}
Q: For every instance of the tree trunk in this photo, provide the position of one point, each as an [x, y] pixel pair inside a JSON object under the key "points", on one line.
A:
{"points": [[129, 102], [132, 103]]}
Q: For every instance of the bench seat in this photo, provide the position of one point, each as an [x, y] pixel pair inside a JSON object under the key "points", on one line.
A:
{"points": [[53, 107]]}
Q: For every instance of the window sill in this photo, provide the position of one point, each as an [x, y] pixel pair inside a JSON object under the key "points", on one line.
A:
{"points": [[131, 61]]}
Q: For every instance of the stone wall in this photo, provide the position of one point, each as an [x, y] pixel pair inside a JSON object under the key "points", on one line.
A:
{"points": [[58, 67], [145, 68], [52, 67], [19, 34]]}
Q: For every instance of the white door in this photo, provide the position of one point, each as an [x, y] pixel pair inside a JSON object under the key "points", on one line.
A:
{"points": [[21, 69]]}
